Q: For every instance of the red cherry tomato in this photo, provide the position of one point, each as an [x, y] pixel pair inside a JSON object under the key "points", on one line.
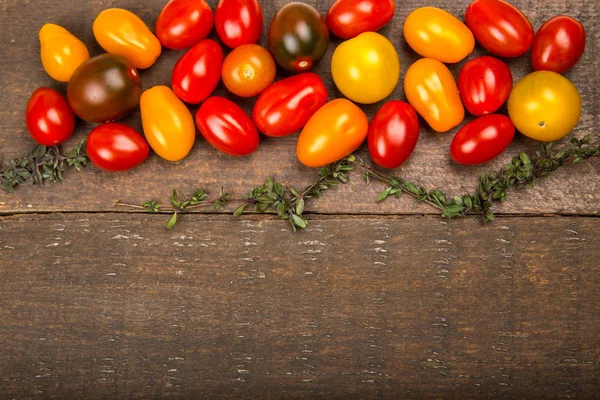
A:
{"points": [[183, 23], [226, 127], [484, 84], [349, 18], [558, 45], [49, 117], [499, 27], [482, 139], [116, 147], [198, 72], [239, 22], [286, 106]]}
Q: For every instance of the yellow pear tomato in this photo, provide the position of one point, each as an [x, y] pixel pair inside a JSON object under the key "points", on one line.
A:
{"points": [[61, 52]]}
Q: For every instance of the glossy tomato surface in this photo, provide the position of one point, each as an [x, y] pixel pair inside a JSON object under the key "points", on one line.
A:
{"points": [[500, 27], [286, 106], [298, 37], [226, 127], [116, 147], [393, 134], [49, 118], [349, 18], [183, 23], [482, 139], [248, 70], [239, 22], [484, 84], [332, 133], [104, 88], [61, 52], [198, 72], [558, 45]]}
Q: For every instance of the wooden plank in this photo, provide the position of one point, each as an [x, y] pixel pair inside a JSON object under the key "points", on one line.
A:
{"points": [[571, 191], [115, 306]]}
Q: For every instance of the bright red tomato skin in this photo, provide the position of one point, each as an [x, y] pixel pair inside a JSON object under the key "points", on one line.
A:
{"points": [[116, 147], [239, 22], [286, 106], [500, 27], [558, 45], [183, 23], [49, 117], [349, 18], [484, 84], [226, 127], [198, 72], [482, 139], [393, 134]]}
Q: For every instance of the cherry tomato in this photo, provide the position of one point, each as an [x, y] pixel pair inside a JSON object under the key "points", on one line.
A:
{"points": [[183, 23], [168, 124], [430, 88], [116, 147], [558, 45], [357, 61], [104, 88], [332, 133], [248, 70], [61, 52], [437, 34], [484, 84], [286, 106], [499, 27], [349, 18], [226, 127], [198, 72], [239, 22], [482, 139], [49, 118], [393, 134], [298, 37], [544, 106], [122, 32]]}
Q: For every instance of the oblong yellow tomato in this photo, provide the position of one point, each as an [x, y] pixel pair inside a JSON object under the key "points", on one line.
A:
{"points": [[122, 32], [168, 124], [431, 89], [435, 33], [61, 52], [366, 68], [544, 106], [333, 132]]}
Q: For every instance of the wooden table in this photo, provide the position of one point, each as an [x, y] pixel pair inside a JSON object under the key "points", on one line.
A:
{"points": [[371, 301]]}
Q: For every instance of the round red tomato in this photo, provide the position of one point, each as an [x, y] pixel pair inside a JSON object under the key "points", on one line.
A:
{"points": [[226, 127], [499, 27], [349, 18], [198, 72], [482, 139], [286, 106], [484, 84], [183, 23], [239, 22], [393, 134], [49, 117], [558, 45], [116, 147]]}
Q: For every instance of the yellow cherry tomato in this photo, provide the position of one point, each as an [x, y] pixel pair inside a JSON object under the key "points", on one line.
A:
{"points": [[366, 68], [122, 32], [545, 106], [431, 89], [168, 124], [435, 33], [61, 52]]}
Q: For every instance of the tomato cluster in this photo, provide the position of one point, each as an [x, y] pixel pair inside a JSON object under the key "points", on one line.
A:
{"points": [[543, 105]]}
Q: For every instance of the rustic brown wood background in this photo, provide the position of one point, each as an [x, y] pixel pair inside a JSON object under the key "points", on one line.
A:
{"points": [[372, 301]]}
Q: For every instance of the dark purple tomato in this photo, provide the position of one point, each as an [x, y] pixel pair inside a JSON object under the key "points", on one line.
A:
{"points": [[482, 139], [116, 147]]}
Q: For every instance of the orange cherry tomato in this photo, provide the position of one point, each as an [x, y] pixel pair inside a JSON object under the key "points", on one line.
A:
{"points": [[61, 52], [248, 70], [332, 133]]}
